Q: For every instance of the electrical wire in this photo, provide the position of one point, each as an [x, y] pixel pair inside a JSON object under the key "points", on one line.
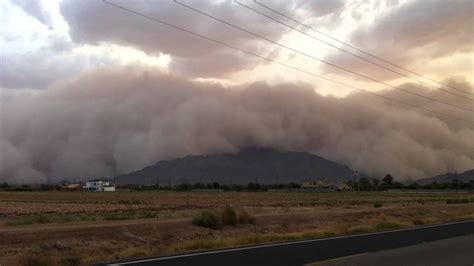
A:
{"points": [[358, 49], [350, 53], [284, 64], [318, 59]]}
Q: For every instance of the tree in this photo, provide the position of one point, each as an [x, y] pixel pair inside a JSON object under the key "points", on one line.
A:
{"points": [[4, 185], [253, 186], [387, 182], [350, 183], [397, 185], [184, 187], [365, 184], [471, 184], [413, 186], [376, 183], [294, 185], [455, 184]]}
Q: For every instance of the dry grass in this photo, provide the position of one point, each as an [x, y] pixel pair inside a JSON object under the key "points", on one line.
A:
{"points": [[246, 218], [229, 216], [27, 203], [48, 224]]}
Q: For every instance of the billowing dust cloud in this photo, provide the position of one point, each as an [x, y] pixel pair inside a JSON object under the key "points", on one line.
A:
{"points": [[115, 121]]}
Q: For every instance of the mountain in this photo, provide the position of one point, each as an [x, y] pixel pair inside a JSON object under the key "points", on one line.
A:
{"points": [[448, 178], [250, 165]]}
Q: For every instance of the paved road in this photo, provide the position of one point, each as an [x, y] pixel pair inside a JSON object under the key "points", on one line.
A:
{"points": [[309, 251], [452, 251]]}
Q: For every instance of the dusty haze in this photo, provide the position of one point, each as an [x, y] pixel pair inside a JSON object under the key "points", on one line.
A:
{"points": [[109, 122]]}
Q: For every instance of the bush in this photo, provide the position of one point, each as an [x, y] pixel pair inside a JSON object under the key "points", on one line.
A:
{"points": [[246, 218], [387, 226], [459, 200], [33, 219], [149, 214], [70, 261], [131, 202], [229, 216], [51, 218], [360, 230], [423, 212], [117, 216], [207, 219], [36, 261], [418, 222], [378, 204]]}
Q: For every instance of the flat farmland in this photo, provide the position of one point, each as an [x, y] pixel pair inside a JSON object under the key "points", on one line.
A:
{"points": [[69, 228]]}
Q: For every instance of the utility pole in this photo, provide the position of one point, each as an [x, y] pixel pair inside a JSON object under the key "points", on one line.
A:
{"points": [[358, 183], [356, 174]]}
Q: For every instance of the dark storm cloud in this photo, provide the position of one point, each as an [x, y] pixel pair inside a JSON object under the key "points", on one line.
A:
{"points": [[115, 121]]}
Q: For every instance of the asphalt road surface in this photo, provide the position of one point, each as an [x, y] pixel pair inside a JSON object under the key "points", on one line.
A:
{"points": [[452, 251], [318, 250]]}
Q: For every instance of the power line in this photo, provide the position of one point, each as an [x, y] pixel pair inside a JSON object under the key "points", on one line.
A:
{"points": [[284, 64], [318, 59], [358, 49], [348, 52]]}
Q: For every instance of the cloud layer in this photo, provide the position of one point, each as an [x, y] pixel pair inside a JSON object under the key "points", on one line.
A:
{"points": [[414, 34], [109, 122], [90, 90]]}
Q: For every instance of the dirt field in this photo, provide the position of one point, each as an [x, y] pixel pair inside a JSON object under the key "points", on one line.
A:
{"points": [[72, 228]]}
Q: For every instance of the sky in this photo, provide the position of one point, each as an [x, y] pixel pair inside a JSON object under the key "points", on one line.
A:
{"points": [[91, 90]]}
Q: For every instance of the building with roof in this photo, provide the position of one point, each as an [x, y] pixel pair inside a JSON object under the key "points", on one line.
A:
{"points": [[98, 185]]}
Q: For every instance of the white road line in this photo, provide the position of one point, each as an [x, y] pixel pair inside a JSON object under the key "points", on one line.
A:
{"points": [[287, 243]]}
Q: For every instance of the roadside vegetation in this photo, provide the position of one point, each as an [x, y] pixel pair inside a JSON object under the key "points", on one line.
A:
{"points": [[365, 184], [51, 218], [227, 216], [460, 200], [60, 227]]}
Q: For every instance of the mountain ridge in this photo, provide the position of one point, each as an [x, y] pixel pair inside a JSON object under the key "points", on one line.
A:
{"points": [[464, 177], [258, 165], [255, 165]]}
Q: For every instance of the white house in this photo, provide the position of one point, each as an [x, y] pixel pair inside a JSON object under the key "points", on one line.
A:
{"points": [[98, 185]]}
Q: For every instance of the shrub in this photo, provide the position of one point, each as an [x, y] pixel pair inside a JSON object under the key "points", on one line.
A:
{"points": [[36, 261], [149, 214], [117, 216], [131, 202], [378, 204], [360, 230], [423, 212], [418, 222], [459, 200], [33, 219], [229, 216], [70, 261], [207, 219], [246, 218], [387, 226], [329, 233], [51, 218], [132, 252]]}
